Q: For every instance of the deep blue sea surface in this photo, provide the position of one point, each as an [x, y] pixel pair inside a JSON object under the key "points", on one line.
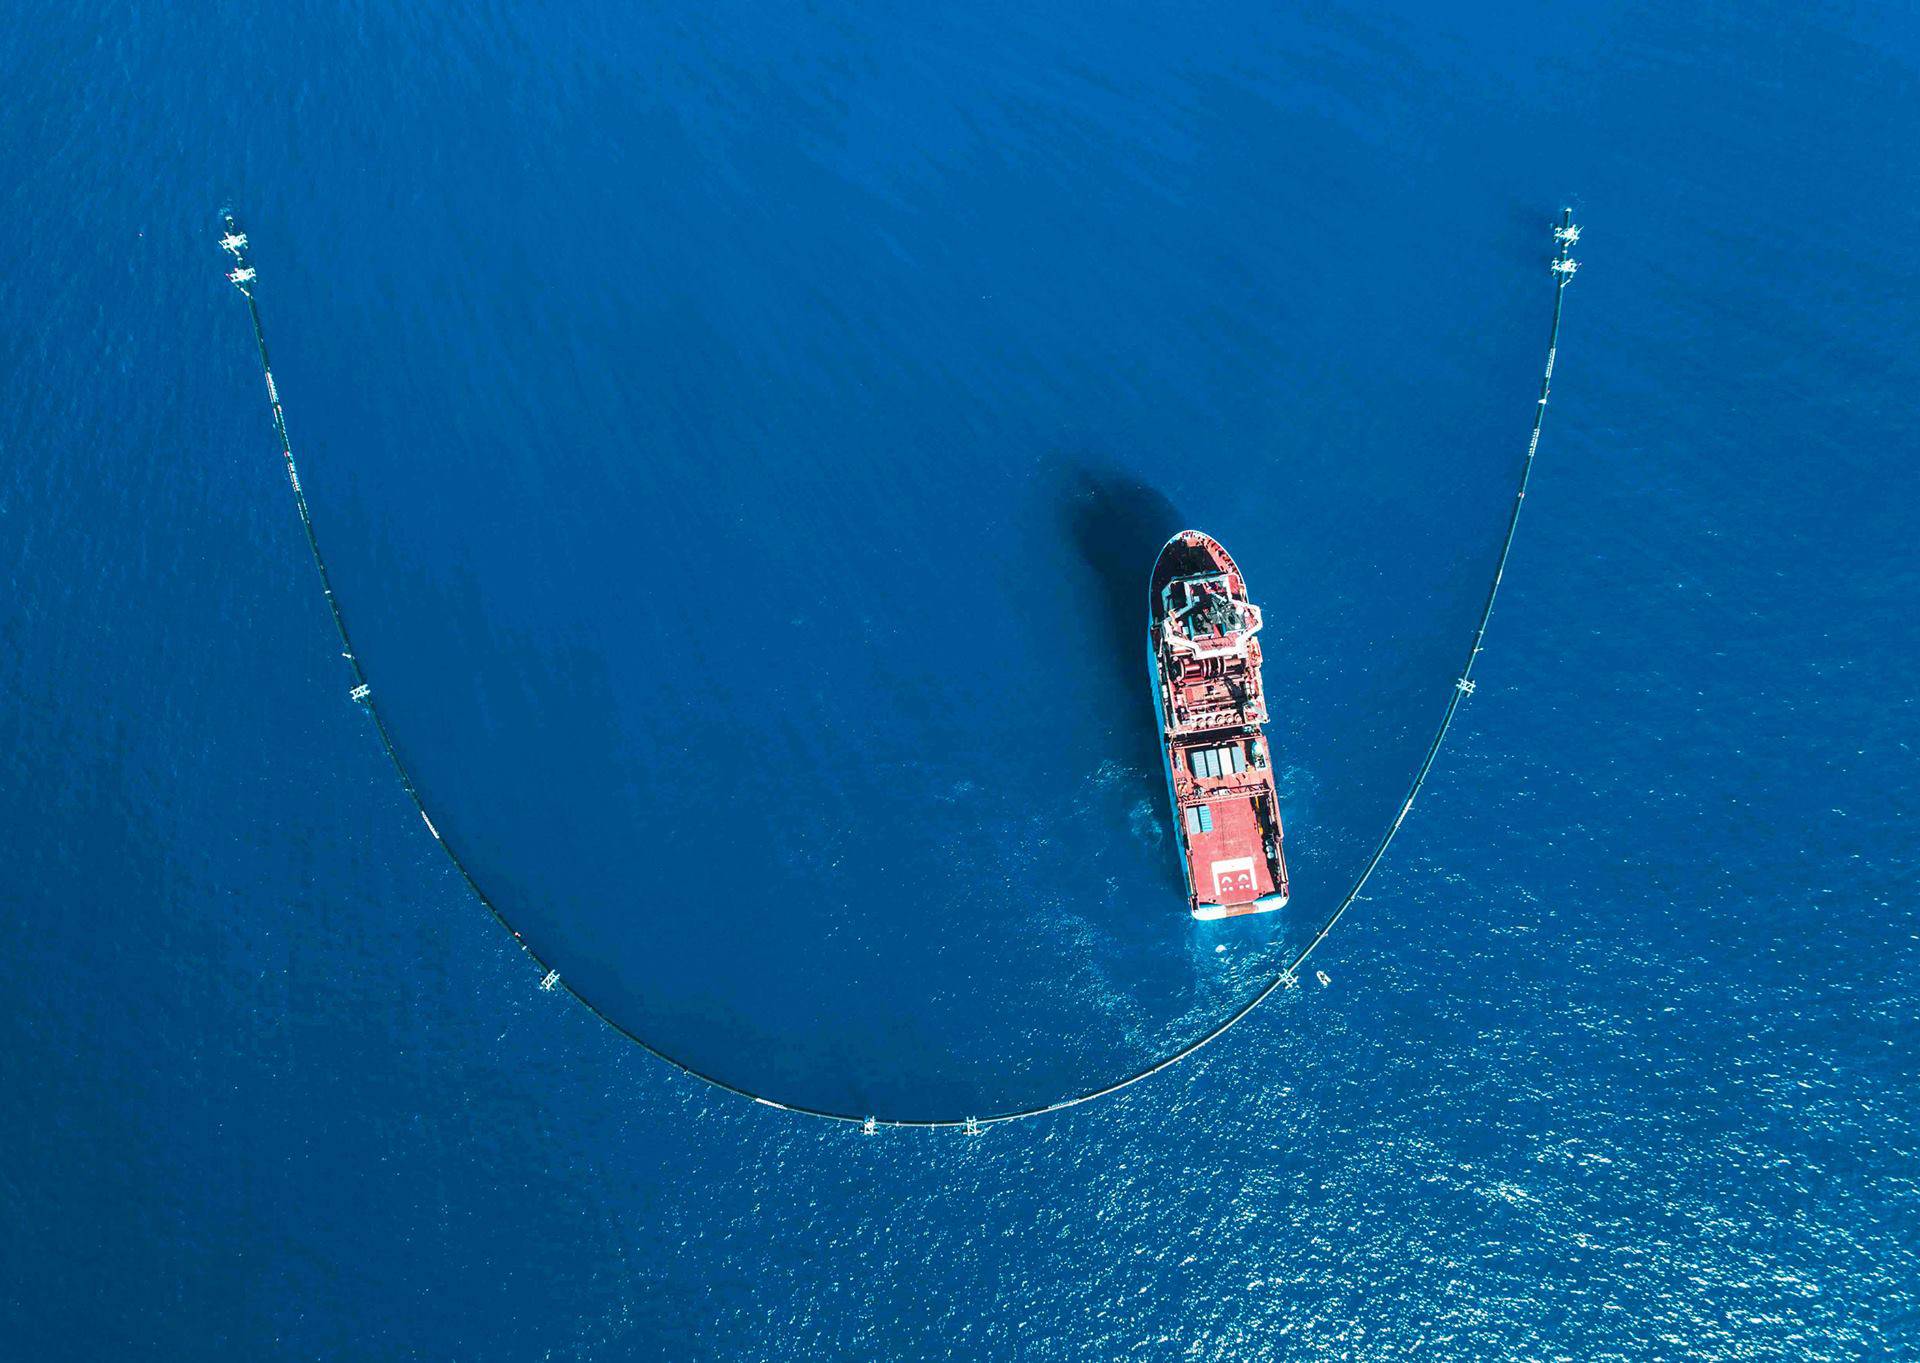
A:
{"points": [[739, 437]]}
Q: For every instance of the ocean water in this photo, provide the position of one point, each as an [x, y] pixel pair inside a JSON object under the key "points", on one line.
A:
{"points": [[739, 439]]}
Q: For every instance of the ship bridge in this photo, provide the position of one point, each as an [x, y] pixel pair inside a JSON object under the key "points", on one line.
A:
{"points": [[1212, 657]]}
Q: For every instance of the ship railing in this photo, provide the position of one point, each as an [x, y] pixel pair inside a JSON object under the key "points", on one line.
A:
{"points": [[1225, 646], [1217, 717]]}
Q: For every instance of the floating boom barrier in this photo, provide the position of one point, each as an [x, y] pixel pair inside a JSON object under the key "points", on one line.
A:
{"points": [[243, 276]]}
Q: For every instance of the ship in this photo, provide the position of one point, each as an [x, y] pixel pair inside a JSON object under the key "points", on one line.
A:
{"points": [[1204, 650]]}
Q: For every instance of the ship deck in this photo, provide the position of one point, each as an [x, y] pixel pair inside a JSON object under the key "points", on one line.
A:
{"points": [[1212, 704]]}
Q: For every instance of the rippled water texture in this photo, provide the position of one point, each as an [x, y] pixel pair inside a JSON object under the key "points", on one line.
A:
{"points": [[739, 439]]}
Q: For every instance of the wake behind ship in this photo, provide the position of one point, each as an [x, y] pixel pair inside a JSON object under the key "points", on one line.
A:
{"points": [[1212, 706]]}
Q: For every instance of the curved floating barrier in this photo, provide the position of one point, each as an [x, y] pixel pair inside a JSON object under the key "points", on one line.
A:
{"points": [[244, 276]]}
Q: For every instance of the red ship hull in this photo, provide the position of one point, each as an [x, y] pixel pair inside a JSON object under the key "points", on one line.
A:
{"points": [[1205, 654]]}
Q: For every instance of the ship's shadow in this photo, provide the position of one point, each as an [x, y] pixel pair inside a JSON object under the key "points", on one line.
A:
{"points": [[1117, 524]]}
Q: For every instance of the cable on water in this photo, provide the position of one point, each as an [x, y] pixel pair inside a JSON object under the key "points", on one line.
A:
{"points": [[243, 276]]}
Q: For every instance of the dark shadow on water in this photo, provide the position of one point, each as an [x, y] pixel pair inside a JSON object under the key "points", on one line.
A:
{"points": [[1117, 524]]}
